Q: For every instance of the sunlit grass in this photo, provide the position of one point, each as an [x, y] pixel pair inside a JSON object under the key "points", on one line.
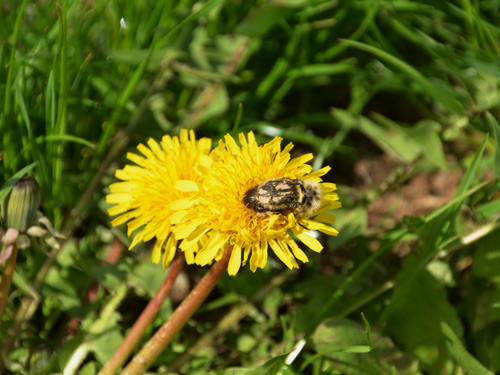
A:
{"points": [[401, 98]]}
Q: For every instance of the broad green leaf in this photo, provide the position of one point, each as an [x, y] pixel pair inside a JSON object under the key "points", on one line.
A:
{"points": [[107, 340], [148, 277], [309, 316], [110, 276], [426, 134], [203, 111], [352, 222], [63, 292], [406, 144], [24, 286], [493, 351], [346, 345], [487, 257], [393, 141], [486, 310], [417, 308], [488, 209]]}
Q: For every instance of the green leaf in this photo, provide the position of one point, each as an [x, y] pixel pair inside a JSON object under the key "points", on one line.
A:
{"points": [[418, 306], [426, 134], [108, 339], [486, 311], [352, 222], [404, 143], [148, 276], [203, 111], [470, 365], [488, 209], [110, 276], [487, 257], [271, 367], [392, 140], [347, 346]]}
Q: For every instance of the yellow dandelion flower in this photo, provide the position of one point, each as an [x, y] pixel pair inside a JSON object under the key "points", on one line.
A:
{"points": [[164, 178], [252, 198]]}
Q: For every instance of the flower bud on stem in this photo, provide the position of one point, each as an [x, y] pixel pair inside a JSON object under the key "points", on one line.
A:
{"points": [[20, 207]]}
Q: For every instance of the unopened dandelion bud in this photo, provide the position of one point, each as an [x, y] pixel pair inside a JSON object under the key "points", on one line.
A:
{"points": [[20, 207]]}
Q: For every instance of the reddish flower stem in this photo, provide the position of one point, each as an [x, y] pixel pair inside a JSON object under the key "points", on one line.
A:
{"points": [[179, 318], [4, 290], [7, 279], [149, 313], [28, 307]]}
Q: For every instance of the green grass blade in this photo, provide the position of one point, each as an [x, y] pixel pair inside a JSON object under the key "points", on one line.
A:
{"points": [[457, 200], [10, 74], [5, 190], [65, 138], [239, 115], [35, 151], [495, 128], [369, 339], [312, 70], [9, 152], [486, 27], [470, 364], [50, 104], [62, 106], [336, 50], [471, 172], [489, 209], [450, 104]]}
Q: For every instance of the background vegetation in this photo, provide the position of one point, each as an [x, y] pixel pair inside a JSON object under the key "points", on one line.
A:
{"points": [[400, 97]]}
